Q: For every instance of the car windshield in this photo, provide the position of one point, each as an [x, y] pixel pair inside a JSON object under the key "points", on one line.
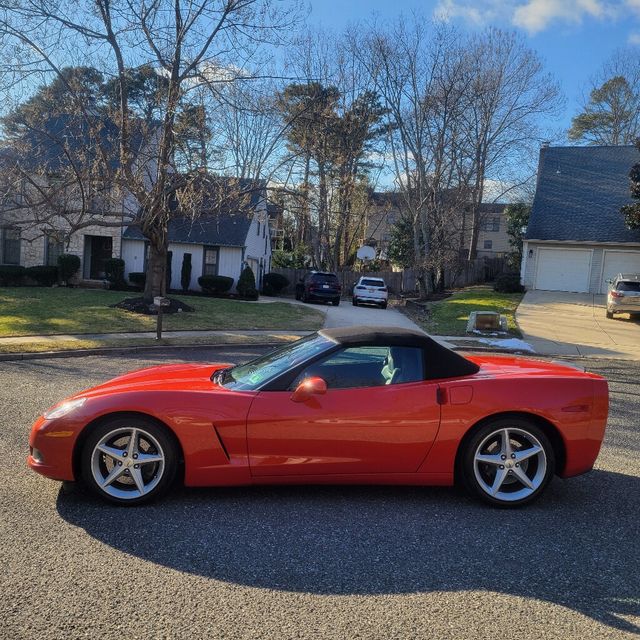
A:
{"points": [[253, 374], [372, 282], [629, 286]]}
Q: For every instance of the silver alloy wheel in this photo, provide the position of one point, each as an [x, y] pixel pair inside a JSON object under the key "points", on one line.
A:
{"points": [[127, 463], [510, 464]]}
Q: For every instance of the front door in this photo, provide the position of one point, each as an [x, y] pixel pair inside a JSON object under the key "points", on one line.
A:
{"points": [[373, 424], [98, 249]]}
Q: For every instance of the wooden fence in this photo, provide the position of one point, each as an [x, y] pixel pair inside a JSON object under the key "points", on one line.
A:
{"points": [[404, 282]]}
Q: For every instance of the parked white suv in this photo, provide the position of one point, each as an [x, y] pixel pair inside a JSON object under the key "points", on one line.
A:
{"points": [[372, 290], [624, 294]]}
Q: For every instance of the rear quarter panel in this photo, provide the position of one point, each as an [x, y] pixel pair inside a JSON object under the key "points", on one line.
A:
{"points": [[576, 406]]}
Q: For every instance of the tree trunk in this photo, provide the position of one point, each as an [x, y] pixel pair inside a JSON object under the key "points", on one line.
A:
{"points": [[155, 284]]}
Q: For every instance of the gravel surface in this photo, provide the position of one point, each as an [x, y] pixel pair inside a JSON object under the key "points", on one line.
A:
{"points": [[313, 562]]}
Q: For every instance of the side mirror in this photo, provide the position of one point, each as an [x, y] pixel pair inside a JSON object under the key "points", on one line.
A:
{"points": [[308, 388]]}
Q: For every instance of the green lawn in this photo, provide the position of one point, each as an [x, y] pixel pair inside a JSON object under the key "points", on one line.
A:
{"points": [[45, 311], [449, 317]]}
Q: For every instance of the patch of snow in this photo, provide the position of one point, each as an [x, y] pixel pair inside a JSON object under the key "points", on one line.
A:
{"points": [[512, 343]]}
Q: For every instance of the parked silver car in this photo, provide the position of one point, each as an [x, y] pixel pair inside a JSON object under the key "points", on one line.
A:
{"points": [[624, 294], [373, 290]]}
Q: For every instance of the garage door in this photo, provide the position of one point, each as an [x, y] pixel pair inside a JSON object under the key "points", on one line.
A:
{"points": [[616, 262], [563, 270]]}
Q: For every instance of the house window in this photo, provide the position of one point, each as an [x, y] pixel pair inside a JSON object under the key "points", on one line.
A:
{"points": [[491, 224], [10, 246], [210, 263], [53, 248], [258, 228], [488, 244]]}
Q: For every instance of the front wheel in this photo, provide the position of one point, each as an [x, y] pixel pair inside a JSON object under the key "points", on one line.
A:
{"points": [[508, 462], [129, 460]]}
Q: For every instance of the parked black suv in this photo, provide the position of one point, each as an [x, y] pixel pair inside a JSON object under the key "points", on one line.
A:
{"points": [[319, 285]]}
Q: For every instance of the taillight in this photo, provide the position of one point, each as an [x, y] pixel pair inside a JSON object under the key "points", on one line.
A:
{"points": [[617, 294], [360, 287], [384, 289]]}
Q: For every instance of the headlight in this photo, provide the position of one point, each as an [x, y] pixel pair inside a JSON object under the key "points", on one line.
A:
{"points": [[64, 408]]}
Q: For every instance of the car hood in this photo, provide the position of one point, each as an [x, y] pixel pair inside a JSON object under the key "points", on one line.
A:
{"points": [[172, 377]]}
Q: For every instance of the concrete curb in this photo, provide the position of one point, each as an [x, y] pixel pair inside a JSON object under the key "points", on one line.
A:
{"points": [[115, 351]]}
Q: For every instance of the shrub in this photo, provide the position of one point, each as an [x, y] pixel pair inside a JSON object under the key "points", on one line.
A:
{"points": [[11, 275], [215, 284], [508, 283], [167, 272], [274, 283], [185, 272], [44, 275], [247, 284], [68, 266], [138, 279], [114, 271]]}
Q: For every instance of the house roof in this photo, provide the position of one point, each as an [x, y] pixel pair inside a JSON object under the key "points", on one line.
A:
{"points": [[224, 219], [65, 136], [579, 193]]}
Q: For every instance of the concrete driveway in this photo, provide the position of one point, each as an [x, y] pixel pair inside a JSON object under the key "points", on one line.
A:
{"points": [[346, 315], [558, 323]]}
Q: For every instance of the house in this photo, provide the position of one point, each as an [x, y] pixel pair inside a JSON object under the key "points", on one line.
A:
{"points": [[383, 212], [576, 238], [493, 240], [56, 198], [229, 233]]}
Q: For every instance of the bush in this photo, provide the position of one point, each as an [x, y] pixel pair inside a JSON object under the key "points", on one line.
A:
{"points": [[274, 283], [138, 279], [167, 272], [508, 283], [44, 275], [68, 266], [185, 272], [215, 284], [247, 284], [114, 271], [11, 275]]}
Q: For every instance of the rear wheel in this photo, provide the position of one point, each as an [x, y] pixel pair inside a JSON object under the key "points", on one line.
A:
{"points": [[508, 462], [354, 302], [129, 460], [384, 305], [336, 302], [609, 314]]}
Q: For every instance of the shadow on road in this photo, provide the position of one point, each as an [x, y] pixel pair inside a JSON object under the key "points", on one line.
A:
{"points": [[577, 547]]}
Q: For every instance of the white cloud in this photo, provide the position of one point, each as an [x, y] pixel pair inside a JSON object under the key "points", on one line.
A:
{"points": [[537, 15], [533, 15], [634, 38]]}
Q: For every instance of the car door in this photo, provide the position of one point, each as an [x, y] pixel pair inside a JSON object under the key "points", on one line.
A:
{"points": [[372, 419]]}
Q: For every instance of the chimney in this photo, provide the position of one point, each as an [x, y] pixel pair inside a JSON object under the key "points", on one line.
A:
{"points": [[546, 143]]}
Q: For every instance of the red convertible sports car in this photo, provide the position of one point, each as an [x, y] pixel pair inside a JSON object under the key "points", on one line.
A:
{"points": [[342, 406]]}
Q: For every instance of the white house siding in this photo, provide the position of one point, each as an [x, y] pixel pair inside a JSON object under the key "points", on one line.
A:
{"points": [[178, 250], [230, 263], [133, 256], [595, 276]]}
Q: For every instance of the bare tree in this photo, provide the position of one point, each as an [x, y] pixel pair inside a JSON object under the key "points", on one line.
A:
{"points": [[181, 38], [508, 94]]}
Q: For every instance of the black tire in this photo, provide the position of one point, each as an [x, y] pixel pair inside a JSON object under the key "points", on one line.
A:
{"points": [[304, 297], [297, 295], [336, 303], [151, 440], [383, 305], [488, 441], [354, 302], [609, 314]]}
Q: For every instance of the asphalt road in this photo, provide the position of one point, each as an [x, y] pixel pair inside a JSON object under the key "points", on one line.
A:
{"points": [[307, 562]]}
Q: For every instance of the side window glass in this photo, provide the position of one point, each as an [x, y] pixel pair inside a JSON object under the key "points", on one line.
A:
{"points": [[372, 366]]}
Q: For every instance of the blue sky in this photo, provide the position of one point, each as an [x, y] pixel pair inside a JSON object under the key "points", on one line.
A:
{"points": [[574, 37]]}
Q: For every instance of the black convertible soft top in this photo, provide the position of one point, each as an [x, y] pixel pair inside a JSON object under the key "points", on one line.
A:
{"points": [[440, 361]]}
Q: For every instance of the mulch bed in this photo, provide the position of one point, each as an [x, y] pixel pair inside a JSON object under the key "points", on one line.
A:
{"points": [[138, 305]]}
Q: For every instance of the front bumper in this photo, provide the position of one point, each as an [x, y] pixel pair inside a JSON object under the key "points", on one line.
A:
{"points": [[53, 443]]}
